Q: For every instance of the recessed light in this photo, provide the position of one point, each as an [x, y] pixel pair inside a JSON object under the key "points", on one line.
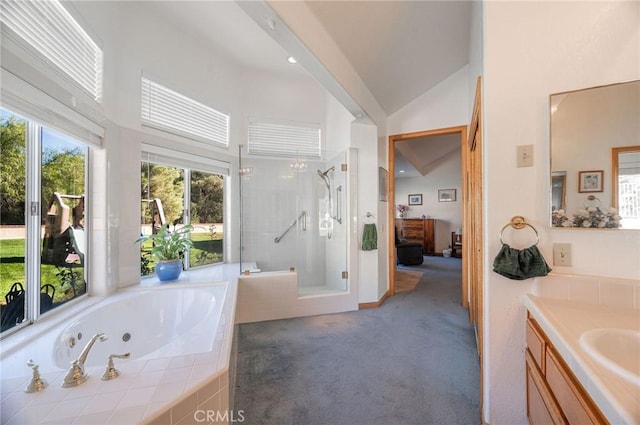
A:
{"points": [[401, 171], [291, 59]]}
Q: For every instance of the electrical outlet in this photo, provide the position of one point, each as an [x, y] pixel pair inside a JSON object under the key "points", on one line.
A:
{"points": [[562, 254], [525, 156]]}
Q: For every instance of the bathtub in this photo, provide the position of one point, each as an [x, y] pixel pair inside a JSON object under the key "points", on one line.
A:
{"points": [[179, 337], [275, 295]]}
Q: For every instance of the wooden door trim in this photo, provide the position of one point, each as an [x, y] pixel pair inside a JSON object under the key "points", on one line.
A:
{"points": [[462, 129], [473, 229]]}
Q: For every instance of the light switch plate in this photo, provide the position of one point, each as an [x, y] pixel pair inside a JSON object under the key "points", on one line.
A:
{"points": [[525, 156], [562, 254]]}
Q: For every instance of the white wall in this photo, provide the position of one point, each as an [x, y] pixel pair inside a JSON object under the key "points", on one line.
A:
{"points": [[448, 215], [445, 105], [363, 137], [530, 52]]}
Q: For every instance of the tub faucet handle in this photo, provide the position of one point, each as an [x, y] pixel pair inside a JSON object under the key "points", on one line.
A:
{"points": [[112, 372], [76, 375], [37, 382]]}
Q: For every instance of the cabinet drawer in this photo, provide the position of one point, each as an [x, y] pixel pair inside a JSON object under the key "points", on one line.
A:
{"points": [[535, 342], [541, 407], [413, 224], [412, 233], [574, 402]]}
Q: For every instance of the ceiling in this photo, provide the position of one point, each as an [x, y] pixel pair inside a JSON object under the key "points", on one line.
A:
{"points": [[417, 157], [225, 28], [400, 49]]}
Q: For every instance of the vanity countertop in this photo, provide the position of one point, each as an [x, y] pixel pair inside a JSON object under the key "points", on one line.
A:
{"points": [[564, 322]]}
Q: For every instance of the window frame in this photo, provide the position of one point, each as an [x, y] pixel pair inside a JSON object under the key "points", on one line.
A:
{"points": [[159, 156], [33, 222]]}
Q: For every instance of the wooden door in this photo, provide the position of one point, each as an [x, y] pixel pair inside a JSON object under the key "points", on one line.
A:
{"points": [[472, 235]]}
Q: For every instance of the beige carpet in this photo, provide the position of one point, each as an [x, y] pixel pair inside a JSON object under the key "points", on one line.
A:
{"points": [[406, 280]]}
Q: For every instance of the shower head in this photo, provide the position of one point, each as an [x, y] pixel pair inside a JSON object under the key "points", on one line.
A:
{"points": [[324, 176], [326, 172]]}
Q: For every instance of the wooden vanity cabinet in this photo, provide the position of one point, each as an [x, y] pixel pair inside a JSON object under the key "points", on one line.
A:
{"points": [[418, 230], [554, 395]]}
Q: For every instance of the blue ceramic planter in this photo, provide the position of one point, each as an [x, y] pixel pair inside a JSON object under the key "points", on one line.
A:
{"points": [[168, 270]]}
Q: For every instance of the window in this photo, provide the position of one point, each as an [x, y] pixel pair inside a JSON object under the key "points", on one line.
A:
{"points": [[170, 111], [47, 30], [284, 139], [42, 219], [172, 196]]}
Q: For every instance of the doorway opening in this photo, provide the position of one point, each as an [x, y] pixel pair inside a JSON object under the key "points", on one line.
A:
{"points": [[426, 150]]}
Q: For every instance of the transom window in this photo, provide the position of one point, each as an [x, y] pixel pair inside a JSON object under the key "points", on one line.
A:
{"points": [[173, 112], [284, 139], [47, 30]]}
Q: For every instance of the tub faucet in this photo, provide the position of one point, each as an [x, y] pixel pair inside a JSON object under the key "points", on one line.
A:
{"points": [[76, 375]]}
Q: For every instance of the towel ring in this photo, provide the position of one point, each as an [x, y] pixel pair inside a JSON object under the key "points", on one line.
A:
{"points": [[591, 201], [369, 218], [518, 222]]}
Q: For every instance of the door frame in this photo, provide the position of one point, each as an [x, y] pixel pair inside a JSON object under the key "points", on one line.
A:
{"points": [[473, 231], [462, 130]]}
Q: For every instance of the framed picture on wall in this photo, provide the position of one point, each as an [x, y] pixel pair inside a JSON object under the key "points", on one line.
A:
{"points": [[446, 195], [415, 199], [590, 181]]}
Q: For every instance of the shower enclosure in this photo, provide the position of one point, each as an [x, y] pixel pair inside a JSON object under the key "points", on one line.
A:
{"points": [[294, 217]]}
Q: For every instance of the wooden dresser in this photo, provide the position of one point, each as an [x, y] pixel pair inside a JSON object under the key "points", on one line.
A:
{"points": [[418, 230]]}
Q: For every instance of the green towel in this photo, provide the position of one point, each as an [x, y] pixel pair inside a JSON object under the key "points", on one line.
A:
{"points": [[520, 264], [369, 237]]}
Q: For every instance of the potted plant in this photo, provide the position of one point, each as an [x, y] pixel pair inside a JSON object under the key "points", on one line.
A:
{"points": [[168, 247]]}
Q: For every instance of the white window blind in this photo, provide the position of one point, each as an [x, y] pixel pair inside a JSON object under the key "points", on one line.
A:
{"points": [[25, 99], [284, 139], [170, 111], [47, 30], [170, 157]]}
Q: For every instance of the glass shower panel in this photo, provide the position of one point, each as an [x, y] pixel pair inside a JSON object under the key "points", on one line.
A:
{"points": [[293, 215]]}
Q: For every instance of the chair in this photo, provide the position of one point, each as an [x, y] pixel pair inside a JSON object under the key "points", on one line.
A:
{"points": [[409, 253], [47, 292], [456, 244], [12, 313]]}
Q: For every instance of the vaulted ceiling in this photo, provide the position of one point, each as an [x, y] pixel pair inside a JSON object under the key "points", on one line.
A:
{"points": [[400, 49]]}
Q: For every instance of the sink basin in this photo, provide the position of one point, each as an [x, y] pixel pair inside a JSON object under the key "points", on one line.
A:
{"points": [[616, 349]]}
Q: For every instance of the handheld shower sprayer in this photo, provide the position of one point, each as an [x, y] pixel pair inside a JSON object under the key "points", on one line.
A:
{"points": [[325, 176]]}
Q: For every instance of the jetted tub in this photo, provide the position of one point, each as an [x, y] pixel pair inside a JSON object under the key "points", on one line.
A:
{"points": [[174, 322], [179, 337]]}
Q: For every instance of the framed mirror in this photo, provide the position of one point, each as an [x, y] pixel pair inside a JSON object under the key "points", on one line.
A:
{"points": [[595, 157]]}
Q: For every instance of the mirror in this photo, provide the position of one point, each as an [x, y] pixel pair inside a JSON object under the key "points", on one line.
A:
{"points": [[595, 157], [558, 190]]}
